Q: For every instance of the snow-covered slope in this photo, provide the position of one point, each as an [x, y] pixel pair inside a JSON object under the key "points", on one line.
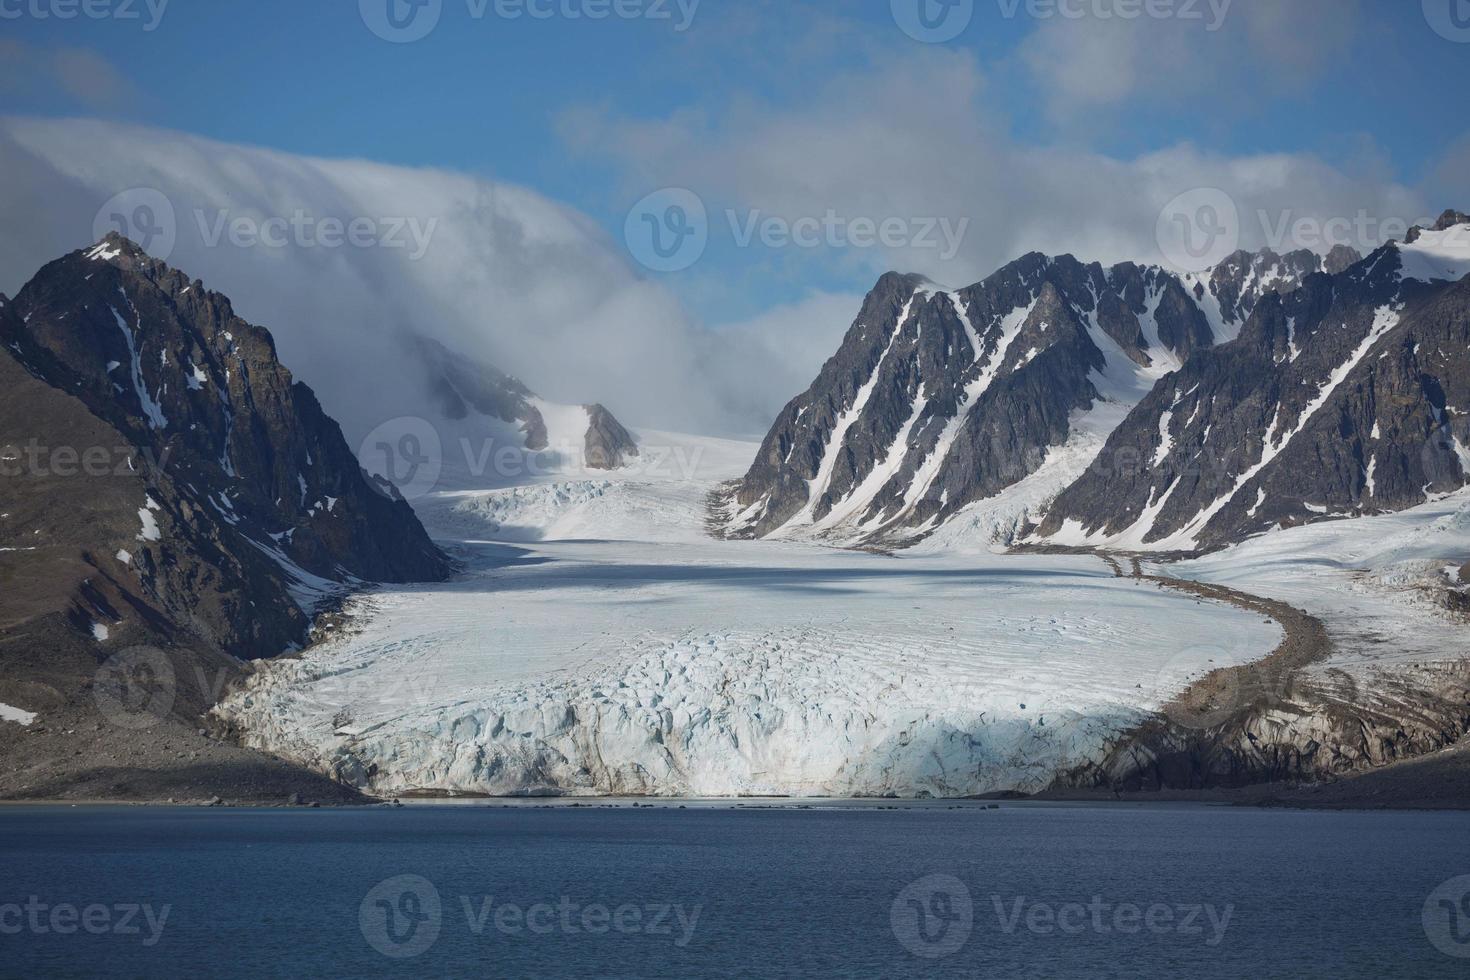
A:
{"points": [[939, 403], [476, 427], [1346, 397], [1390, 589], [626, 652]]}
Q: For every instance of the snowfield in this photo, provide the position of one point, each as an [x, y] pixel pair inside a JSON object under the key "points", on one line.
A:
{"points": [[600, 643], [1375, 582]]}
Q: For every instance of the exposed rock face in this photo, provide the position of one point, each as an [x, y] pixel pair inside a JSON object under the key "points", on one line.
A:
{"points": [[1348, 396], [464, 388], [1238, 283], [178, 486], [608, 444], [461, 386], [1321, 729], [939, 399]]}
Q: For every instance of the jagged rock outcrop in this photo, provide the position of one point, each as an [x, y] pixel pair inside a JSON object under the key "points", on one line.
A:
{"points": [[461, 386], [939, 399], [465, 389], [169, 482], [608, 445], [1324, 727], [1232, 289], [1347, 396]]}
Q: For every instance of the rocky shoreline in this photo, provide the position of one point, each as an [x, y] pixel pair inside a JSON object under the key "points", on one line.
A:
{"points": [[1276, 733]]}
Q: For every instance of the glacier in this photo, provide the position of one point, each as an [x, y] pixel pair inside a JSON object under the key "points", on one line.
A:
{"points": [[599, 642]]}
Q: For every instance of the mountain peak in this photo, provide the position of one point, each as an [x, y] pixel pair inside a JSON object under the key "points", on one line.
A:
{"points": [[1450, 219], [113, 246]]}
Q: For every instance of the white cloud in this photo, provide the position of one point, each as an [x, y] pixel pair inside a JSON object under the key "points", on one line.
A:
{"points": [[83, 75], [919, 135], [509, 275], [1224, 56]]}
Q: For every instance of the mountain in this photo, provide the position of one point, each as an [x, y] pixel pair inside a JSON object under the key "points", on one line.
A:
{"points": [[477, 400], [168, 483], [938, 399], [1347, 396]]}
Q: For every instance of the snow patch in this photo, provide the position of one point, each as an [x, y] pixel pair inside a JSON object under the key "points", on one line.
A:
{"points": [[16, 715]]}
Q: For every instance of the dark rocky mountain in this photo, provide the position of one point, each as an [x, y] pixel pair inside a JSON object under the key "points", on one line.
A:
{"points": [[464, 389], [1347, 396], [1233, 288], [938, 399], [167, 483], [608, 445]]}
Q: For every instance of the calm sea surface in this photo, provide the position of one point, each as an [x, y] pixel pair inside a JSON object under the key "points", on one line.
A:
{"points": [[462, 891]]}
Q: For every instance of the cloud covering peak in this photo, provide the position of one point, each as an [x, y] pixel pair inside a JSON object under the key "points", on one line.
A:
{"points": [[494, 270]]}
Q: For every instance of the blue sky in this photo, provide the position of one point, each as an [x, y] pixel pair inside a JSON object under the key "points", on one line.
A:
{"points": [[1040, 130], [1367, 85]]}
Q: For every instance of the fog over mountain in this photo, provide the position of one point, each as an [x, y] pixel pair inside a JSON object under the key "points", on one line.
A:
{"points": [[544, 292], [491, 269]]}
